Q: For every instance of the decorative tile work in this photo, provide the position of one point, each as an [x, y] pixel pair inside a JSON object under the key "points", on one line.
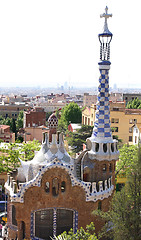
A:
{"points": [[90, 196], [102, 121]]}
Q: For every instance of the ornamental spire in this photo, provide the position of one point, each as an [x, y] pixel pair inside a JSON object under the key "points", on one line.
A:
{"points": [[106, 16], [105, 38]]}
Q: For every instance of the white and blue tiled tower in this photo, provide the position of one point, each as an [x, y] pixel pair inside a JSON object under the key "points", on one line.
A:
{"points": [[101, 141]]}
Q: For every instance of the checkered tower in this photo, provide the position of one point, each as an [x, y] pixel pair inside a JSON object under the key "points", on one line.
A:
{"points": [[102, 128], [101, 145]]}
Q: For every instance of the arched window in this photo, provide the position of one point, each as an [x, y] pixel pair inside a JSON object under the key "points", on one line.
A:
{"points": [[110, 167], [99, 205], [112, 147], [53, 221], [105, 147], [14, 221], [47, 187], [96, 147], [55, 187]]}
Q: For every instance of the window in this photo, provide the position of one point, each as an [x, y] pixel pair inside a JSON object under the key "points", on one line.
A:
{"points": [[116, 120], [104, 168], [49, 222], [55, 187], [105, 147], [130, 138], [136, 130], [112, 147], [114, 129], [135, 139], [47, 187], [110, 167], [96, 147], [14, 221], [115, 109], [130, 130], [100, 205]]}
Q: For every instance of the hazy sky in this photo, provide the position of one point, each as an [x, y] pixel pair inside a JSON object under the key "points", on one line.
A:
{"points": [[49, 42]]}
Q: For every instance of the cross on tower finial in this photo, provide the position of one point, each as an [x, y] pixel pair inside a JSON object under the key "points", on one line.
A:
{"points": [[106, 16]]}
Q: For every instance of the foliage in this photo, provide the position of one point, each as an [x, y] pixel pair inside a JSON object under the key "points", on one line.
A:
{"points": [[19, 121], [6, 121], [71, 113], [28, 150], [62, 127], [134, 104], [15, 125], [89, 234], [76, 139], [48, 115], [9, 158], [128, 155], [123, 220]]}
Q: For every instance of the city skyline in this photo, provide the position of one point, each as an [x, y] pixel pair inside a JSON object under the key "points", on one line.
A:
{"points": [[49, 43]]}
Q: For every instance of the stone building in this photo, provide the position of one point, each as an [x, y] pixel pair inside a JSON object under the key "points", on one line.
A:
{"points": [[53, 192]]}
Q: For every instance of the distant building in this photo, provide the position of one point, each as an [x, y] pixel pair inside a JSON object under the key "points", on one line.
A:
{"points": [[131, 96], [12, 110], [6, 135], [34, 118], [34, 133], [73, 127], [88, 99]]}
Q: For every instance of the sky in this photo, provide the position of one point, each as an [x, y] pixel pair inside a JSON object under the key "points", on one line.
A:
{"points": [[49, 42]]}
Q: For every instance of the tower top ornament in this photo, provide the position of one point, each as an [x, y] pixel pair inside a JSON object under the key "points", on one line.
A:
{"points": [[106, 16]]}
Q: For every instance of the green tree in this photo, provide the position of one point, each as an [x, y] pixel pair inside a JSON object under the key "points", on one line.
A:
{"points": [[88, 234], [123, 220], [19, 121], [134, 104], [71, 113], [126, 160], [9, 158], [76, 139], [13, 127], [27, 150]]}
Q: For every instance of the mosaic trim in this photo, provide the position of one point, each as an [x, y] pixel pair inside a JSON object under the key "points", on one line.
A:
{"points": [[93, 195], [32, 226]]}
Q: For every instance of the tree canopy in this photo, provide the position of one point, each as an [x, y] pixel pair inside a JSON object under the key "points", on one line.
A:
{"points": [[88, 234], [71, 113], [123, 220], [9, 156], [76, 139], [134, 104], [127, 158]]}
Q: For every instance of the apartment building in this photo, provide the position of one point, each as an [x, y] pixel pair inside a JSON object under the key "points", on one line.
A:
{"points": [[35, 117], [12, 110]]}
